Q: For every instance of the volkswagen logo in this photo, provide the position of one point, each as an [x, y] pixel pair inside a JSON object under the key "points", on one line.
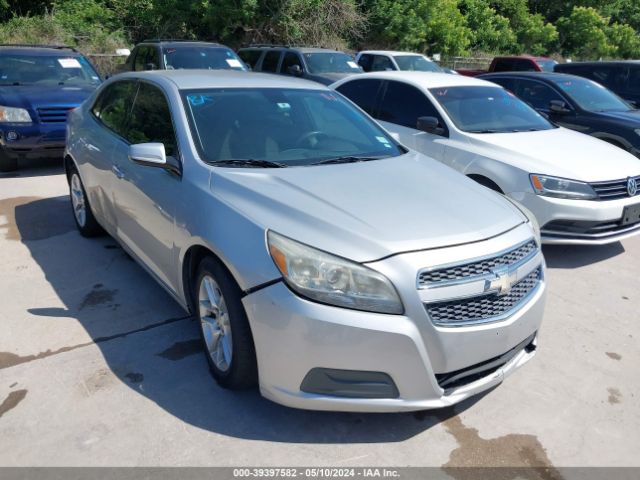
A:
{"points": [[632, 186]]}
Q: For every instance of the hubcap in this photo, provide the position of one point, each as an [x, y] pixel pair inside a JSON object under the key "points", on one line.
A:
{"points": [[77, 200], [214, 320]]}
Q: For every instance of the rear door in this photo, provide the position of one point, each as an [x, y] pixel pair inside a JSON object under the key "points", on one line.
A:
{"points": [[270, 61], [146, 197]]}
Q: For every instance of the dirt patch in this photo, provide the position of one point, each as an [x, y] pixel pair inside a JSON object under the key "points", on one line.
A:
{"points": [[509, 456], [180, 350], [34, 218], [98, 380], [97, 297], [12, 401], [613, 355], [8, 225], [614, 396]]}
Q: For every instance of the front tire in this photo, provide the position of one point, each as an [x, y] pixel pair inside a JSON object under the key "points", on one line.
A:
{"points": [[87, 224], [224, 327]]}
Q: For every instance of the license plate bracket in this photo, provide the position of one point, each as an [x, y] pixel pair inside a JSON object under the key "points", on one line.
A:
{"points": [[631, 214]]}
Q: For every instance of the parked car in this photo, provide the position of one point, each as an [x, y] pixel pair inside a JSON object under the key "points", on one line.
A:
{"points": [[262, 204], [577, 103], [181, 54], [318, 64], [39, 85], [621, 77], [581, 190], [520, 63], [385, 60]]}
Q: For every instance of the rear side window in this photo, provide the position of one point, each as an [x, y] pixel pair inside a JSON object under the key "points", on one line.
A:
{"points": [[151, 119], [113, 105], [270, 61], [362, 92], [403, 104], [503, 65], [250, 57], [365, 61]]}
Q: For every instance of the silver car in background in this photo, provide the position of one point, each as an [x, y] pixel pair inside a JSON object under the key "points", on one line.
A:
{"points": [[324, 261]]}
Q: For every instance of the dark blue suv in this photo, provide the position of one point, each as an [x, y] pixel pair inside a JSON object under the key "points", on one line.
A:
{"points": [[39, 85]]}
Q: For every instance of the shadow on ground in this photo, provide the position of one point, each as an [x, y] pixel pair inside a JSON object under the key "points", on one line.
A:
{"points": [[576, 256], [36, 168], [155, 352]]}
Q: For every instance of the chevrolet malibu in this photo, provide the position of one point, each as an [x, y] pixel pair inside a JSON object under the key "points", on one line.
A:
{"points": [[325, 262], [581, 190]]}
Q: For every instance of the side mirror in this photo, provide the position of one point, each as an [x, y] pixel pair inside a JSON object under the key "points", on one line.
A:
{"points": [[430, 125], [559, 107], [150, 66], [154, 155], [295, 70]]}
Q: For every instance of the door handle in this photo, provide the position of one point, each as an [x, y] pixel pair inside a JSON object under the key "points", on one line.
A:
{"points": [[117, 172]]}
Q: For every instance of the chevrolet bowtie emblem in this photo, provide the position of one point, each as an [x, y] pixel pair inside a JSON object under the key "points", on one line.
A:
{"points": [[503, 281]]}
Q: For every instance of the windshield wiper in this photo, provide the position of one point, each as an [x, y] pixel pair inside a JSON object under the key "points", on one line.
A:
{"points": [[248, 162], [348, 159], [485, 131]]}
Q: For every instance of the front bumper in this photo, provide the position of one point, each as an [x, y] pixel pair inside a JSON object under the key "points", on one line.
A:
{"points": [[579, 222], [33, 141], [293, 336]]}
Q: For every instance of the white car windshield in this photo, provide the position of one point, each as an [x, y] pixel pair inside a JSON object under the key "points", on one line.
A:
{"points": [[285, 126], [488, 110], [416, 63]]}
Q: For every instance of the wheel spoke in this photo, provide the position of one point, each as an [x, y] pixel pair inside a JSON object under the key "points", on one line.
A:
{"points": [[214, 320]]}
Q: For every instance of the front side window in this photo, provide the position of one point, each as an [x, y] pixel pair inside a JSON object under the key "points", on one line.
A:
{"points": [[150, 119], [365, 61], [403, 104], [592, 96], [290, 59], [144, 58], [504, 65], [290, 126], [381, 63], [330, 62], [201, 57], [363, 93], [416, 63], [48, 70], [113, 105], [536, 94], [488, 110]]}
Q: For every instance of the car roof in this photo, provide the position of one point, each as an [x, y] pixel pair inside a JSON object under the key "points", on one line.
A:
{"points": [[531, 57], [393, 53], [606, 62], [180, 43], [550, 77], [297, 49], [194, 79], [425, 79], [40, 50]]}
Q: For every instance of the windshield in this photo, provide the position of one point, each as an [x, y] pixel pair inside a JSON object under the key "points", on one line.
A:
{"points": [[592, 96], [416, 63], [46, 70], [488, 110], [546, 65], [290, 127], [210, 58], [331, 63]]}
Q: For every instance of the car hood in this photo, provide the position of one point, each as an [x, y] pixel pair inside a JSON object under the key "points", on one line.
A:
{"points": [[328, 78], [560, 152], [368, 210], [36, 96]]}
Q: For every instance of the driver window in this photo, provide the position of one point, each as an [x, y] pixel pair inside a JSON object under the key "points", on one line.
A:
{"points": [[290, 59], [113, 105], [403, 104], [381, 63], [536, 94]]}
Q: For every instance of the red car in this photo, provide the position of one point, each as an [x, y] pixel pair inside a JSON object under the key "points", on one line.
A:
{"points": [[522, 63]]}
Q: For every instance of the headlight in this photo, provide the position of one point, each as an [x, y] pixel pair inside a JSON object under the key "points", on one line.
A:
{"points": [[561, 188], [14, 115], [329, 279]]}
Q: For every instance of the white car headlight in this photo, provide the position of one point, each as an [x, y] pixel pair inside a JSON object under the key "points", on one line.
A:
{"points": [[328, 279], [562, 188], [14, 115]]}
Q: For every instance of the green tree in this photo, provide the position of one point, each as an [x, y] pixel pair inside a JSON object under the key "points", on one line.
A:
{"points": [[491, 32], [534, 34], [583, 34], [625, 40]]}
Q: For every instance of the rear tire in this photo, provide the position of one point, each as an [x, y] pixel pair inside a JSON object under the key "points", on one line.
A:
{"points": [[7, 164], [87, 224], [224, 327]]}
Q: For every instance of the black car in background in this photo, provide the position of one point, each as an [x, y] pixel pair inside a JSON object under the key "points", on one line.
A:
{"points": [[576, 103], [181, 54], [318, 64], [621, 77]]}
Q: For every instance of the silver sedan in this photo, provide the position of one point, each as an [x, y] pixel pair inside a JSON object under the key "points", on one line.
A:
{"points": [[325, 262]]}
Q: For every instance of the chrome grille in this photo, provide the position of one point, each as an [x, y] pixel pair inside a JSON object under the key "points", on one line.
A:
{"points": [[613, 190], [478, 309], [53, 114], [476, 269]]}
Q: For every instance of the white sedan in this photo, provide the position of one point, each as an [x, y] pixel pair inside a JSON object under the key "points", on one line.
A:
{"points": [[581, 189]]}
